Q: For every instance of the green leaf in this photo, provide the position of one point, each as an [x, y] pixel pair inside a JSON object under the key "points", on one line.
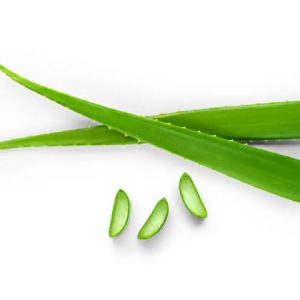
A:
{"points": [[155, 221], [266, 170], [120, 214], [269, 121], [191, 197], [90, 136]]}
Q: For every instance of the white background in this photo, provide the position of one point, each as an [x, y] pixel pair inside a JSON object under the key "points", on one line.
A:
{"points": [[144, 57]]}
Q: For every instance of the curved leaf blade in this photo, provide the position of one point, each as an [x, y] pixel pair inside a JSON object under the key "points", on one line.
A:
{"points": [[266, 170], [90, 136], [268, 121]]}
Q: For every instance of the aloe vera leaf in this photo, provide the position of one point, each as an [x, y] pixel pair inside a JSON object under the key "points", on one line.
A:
{"points": [[155, 221], [120, 214], [191, 197], [275, 173], [90, 136], [267, 121]]}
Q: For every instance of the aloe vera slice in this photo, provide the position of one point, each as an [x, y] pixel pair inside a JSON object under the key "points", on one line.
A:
{"points": [[191, 197], [120, 214], [155, 221], [268, 121], [275, 173]]}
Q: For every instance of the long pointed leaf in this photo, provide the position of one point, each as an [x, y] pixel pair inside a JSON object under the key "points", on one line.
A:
{"points": [[267, 121], [269, 171]]}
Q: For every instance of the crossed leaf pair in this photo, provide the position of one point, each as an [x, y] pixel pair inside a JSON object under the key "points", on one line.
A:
{"points": [[179, 133]]}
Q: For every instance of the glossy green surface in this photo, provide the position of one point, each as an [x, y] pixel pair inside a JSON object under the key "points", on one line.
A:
{"points": [[155, 221], [120, 214], [266, 170], [191, 197], [91, 136], [268, 121]]}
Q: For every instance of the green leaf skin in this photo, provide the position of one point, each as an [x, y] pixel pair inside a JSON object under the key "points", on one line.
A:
{"points": [[90, 136], [266, 121], [275, 173], [120, 214], [270, 121], [155, 221], [191, 197]]}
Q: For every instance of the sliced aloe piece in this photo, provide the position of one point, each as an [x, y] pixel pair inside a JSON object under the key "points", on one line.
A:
{"points": [[191, 197], [120, 214], [155, 221]]}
